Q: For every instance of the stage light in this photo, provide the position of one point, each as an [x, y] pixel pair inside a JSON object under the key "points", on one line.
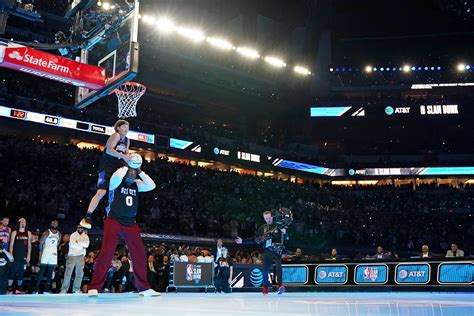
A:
{"points": [[219, 43], [343, 69], [426, 68], [439, 68], [331, 69], [274, 61], [375, 69], [381, 69], [192, 34], [407, 68], [468, 67], [350, 69], [461, 67], [302, 70], [413, 68], [248, 52], [106, 6], [400, 69], [419, 68], [149, 19], [99, 3], [368, 69], [165, 25], [394, 69], [432, 68]]}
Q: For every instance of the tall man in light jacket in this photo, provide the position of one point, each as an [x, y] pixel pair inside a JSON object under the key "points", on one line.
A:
{"points": [[78, 243]]}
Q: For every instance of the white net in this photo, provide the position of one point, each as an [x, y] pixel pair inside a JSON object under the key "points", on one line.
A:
{"points": [[128, 95]]}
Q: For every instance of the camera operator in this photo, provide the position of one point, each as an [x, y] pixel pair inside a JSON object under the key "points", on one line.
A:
{"points": [[272, 236], [5, 260]]}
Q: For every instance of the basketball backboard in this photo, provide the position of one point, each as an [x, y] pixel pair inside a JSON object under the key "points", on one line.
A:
{"points": [[114, 48]]}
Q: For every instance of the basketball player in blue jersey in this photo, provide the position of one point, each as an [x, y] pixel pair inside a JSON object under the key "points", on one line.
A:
{"points": [[120, 223], [114, 156]]}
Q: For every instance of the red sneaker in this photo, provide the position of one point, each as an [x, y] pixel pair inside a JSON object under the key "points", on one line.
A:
{"points": [[265, 290]]}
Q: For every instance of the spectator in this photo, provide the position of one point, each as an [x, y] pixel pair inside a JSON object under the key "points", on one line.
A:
{"points": [[333, 254], [88, 269], [48, 247], [454, 252], [20, 248], [78, 243], [425, 252], [381, 255], [223, 279], [115, 266], [5, 261], [152, 273], [126, 271], [5, 232]]}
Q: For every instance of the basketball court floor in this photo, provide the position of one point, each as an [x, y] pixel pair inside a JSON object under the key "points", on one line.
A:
{"points": [[193, 304]]}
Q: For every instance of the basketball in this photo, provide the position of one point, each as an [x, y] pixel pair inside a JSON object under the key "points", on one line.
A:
{"points": [[135, 161]]}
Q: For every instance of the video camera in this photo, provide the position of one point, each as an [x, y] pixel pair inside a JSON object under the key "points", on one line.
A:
{"points": [[283, 217]]}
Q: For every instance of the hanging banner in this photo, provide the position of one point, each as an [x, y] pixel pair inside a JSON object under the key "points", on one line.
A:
{"points": [[49, 66]]}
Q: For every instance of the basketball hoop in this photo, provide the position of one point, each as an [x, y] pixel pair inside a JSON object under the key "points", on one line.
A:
{"points": [[128, 94]]}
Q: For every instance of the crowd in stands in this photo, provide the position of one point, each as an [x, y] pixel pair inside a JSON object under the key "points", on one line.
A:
{"points": [[47, 180], [56, 181]]}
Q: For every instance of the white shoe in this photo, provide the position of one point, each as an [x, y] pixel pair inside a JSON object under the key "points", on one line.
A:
{"points": [[63, 292], [149, 293], [93, 293]]}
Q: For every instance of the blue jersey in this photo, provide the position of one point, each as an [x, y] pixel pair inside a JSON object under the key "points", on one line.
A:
{"points": [[111, 163], [5, 233], [123, 203]]}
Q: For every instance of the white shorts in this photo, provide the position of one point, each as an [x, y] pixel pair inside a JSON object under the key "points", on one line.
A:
{"points": [[49, 257]]}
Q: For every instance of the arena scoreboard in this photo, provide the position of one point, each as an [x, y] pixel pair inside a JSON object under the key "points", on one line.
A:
{"points": [[70, 123]]}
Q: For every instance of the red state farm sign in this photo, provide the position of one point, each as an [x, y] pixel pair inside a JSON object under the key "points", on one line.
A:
{"points": [[52, 67]]}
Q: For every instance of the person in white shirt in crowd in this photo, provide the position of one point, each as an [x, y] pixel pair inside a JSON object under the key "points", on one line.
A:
{"points": [[218, 252], [454, 252], [78, 243]]}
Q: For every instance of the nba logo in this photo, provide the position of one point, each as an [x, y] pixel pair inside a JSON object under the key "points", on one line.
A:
{"points": [[189, 272], [367, 273]]}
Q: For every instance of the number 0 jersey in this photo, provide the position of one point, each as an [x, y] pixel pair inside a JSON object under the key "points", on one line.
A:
{"points": [[123, 203]]}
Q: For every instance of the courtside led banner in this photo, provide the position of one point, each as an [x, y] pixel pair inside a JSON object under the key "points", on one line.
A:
{"points": [[456, 273], [371, 274], [295, 274], [331, 274], [49, 66], [193, 274], [412, 273]]}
